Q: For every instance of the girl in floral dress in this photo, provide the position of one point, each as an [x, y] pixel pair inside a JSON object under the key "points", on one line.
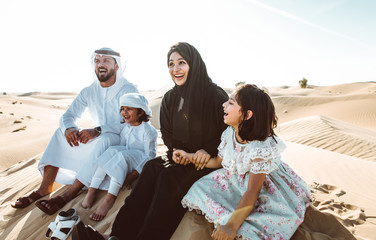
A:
{"points": [[255, 195]]}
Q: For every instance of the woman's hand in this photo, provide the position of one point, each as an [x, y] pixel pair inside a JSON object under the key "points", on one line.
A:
{"points": [[181, 157], [200, 159], [224, 232]]}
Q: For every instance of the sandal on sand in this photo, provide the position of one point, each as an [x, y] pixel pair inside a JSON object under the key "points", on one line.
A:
{"points": [[55, 204], [24, 201], [64, 227], [62, 216], [82, 232]]}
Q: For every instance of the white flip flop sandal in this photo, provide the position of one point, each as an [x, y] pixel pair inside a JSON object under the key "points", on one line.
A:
{"points": [[64, 228], [62, 216]]}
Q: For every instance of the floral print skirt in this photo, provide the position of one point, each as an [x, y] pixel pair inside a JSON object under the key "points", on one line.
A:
{"points": [[278, 212]]}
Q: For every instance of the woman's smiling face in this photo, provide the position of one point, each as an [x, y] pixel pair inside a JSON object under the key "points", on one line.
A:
{"points": [[178, 68]]}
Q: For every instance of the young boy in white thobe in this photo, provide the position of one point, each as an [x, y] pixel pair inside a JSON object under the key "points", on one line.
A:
{"points": [[138, 143]]}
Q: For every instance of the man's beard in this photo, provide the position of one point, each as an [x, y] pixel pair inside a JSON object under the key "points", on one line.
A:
{"points": [[106, 77]]}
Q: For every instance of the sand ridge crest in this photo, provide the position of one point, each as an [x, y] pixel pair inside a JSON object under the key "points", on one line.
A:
{"points": [[331, 134]]}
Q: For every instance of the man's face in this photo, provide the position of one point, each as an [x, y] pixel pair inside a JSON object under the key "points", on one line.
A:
{"points": [[105, 67]]}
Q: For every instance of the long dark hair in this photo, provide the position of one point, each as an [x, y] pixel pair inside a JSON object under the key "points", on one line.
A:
{"points": [[264, 119]]}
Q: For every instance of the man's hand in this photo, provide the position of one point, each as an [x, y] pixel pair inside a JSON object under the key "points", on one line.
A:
{"points": [[87, 134], [130, 178], [71, 134], [224, 232], [200, 159]]}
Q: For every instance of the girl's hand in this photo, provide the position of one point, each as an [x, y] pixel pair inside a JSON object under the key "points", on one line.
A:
{"points": [[224, 232], [180, 157], [200, 159]]}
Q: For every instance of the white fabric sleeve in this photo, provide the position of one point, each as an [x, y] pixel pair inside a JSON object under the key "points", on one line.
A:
{"points": [[74, 111], [150, 147], [223, 143], [263, 157], [113, 128]]}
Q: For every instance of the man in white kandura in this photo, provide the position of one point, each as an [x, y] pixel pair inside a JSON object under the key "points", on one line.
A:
{"points": [[70, 147]]}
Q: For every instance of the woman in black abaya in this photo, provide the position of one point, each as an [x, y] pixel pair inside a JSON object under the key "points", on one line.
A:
{"points": [[191, 119]]}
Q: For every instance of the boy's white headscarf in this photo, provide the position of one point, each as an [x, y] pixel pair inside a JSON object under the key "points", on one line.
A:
{"points": [[120, 80], [135, 100]]}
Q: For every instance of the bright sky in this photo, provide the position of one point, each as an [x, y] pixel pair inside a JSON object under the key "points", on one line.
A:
{"points": [[46, 45]]}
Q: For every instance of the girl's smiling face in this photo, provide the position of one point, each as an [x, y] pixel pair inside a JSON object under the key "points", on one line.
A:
{"points": [[178, 68], [131, 115], [233, 114]]}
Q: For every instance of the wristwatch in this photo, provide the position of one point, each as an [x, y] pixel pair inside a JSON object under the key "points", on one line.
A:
{"points": [[98, 129]]}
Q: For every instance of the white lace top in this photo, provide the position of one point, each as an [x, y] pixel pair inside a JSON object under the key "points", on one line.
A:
{"points": [[255, 156]]}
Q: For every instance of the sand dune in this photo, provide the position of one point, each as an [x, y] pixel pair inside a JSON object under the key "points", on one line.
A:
{"points": [[331, 141], [331, 134], [352, 103]]}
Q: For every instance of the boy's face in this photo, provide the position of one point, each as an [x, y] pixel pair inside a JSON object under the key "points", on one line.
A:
{"points": [[131, 115]]}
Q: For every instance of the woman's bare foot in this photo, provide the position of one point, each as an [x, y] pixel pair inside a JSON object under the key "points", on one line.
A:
{"points": [[89, 198], [103, 209]]}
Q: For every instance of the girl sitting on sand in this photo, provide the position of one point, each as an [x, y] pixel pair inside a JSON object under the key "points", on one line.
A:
{"points": [[123, 163], [255, 195]]}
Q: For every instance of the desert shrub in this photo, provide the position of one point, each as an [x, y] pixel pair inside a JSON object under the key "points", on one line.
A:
{"points": [[239, 83], [303, 83]]}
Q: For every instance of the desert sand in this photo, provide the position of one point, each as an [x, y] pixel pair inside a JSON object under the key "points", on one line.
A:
{"points": [[330, 133]]}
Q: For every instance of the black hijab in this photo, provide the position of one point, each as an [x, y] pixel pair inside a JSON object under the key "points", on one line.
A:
{"points": [[194, 94]]}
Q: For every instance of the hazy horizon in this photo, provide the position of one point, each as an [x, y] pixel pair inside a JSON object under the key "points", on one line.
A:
{"points": [[47, 45]]}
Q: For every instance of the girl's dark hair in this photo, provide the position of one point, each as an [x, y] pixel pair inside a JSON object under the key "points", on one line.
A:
{"points": [[144, 117], [260, 126]]}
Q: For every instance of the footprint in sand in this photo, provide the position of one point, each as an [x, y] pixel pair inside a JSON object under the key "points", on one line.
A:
{"points": [[20, 129], [326, 199], [325, 188]]}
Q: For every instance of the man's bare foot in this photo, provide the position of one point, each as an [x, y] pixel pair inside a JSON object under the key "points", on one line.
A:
{"points": [[103, 209], [89, 198]]}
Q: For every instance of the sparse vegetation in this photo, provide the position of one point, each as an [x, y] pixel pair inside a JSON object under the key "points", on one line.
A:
{"points": [[239, 83], [303, 83]]}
